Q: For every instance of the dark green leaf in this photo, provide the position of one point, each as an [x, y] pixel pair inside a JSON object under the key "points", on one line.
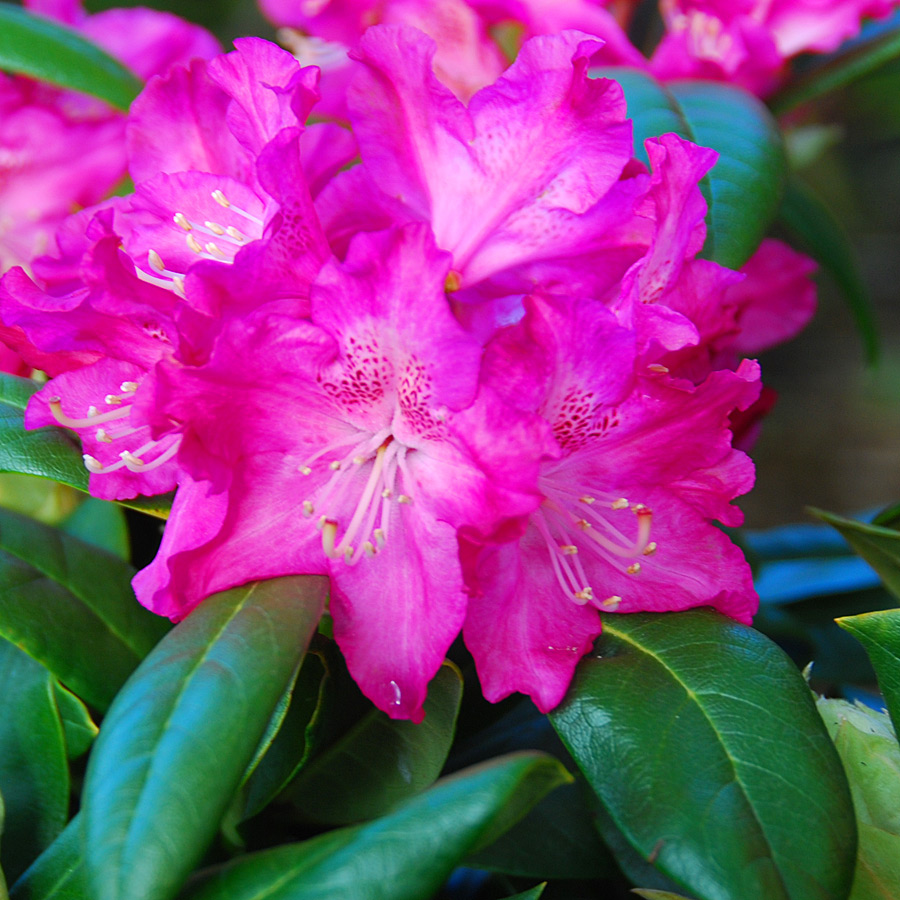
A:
{"points": [[71, 606], [78, 726], [743, 190], [877, 545], [100, 523], [380, 761], [47, 50], [747, 182], [822, 235], [406, 855], [879, 633], [58, 873], [701, 739], [889, 517], [649, 894], [534, 894], [856, 59], [183, 730], [34, 774]]}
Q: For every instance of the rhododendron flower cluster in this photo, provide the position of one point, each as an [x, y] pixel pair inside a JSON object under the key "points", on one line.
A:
{"points": [[480, 378]]}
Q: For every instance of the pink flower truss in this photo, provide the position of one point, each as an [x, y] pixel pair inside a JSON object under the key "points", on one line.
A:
{"points": [[41, 179]]}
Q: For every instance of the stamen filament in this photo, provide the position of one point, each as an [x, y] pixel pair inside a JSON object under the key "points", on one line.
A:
{"points": [[368, 493], [56, 408]]}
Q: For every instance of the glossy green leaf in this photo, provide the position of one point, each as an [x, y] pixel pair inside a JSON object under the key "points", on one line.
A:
{"points": [[180, 734], [701, 739], [380, 761], [34, 773], [747, 182], [101, 523], [406, 855], [815, 227], [879, 633], [558, 838], [58, 873], [71, 606], [839, 69], [868, 749], [78, 726], [47, 50], [52, 453], [743, 190]]}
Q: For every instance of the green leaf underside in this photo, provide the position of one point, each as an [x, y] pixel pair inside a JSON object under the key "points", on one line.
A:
{"points": [[181, 733], [837, 71], [78, 726], [53, 453], [58, 873], [712, 715], [405, 855], [34, 774], [743, 190], [381, 761], [71, 607], [43, 49], [823, 236], [879, 633]]}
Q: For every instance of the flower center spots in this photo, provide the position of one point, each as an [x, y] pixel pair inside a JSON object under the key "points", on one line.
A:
{"points": [[113, 426], [574, 523], [580, 418], [414, 395], [208, 239], [371, 466], [364, 377]]}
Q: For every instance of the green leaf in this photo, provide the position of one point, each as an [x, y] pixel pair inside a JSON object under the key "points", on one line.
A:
{"points": [[406, 855], [701, 739], [856, 59], [43, 49], [58, 873], [534, 894], [3, 892], [51, 452], [649, 894], [747, 182], [71, 606], [868, 749], [879, 633], [101, 523], [180, 734], [815, 227], [380, 761], [743, 190], [78, 726], [34, 774], [877, 545]]}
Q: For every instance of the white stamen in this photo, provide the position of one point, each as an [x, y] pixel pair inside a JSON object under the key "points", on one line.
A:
{"points": [[194, 244], [112, 399], [621, 503], [155, 261], [232, 232], [215, 228], [128, 387], [304, 470], [91, 420], [611, 603], [308, 508], [182, 222]]}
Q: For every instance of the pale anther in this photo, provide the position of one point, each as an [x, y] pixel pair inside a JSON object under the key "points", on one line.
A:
{"points": [[335, 465], [583, 524], [103, 437], [634, 569], [308, 508], [612, 603], [178, 282], [182, 222], [111, 400], [587, 499], [369, 549], [639, 508], [215, 227], [359, 460], [650, 549], [621, 503], [378, 534], [92, 411], [156, 261], [387, 493], [214, 250], [321, 523], [128, 387], [402, 498], [232, 232], [582, 596], [304, 470], [568, 549], [194, 244], [91, 463], [220, 198], [656, 367], [348, 554], [129, 457]]}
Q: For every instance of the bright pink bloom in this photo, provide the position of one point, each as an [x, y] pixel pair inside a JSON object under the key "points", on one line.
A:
{"points": [[355, 444], [644, 464], [41, 179], [749, 42]]}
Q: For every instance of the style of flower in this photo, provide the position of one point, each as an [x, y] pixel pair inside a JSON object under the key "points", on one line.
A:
{"points": [[644, 464], [41, 180], [354, 444]]}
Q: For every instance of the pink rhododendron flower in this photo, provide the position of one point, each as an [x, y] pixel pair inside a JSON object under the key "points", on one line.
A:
{"points": [[749, 43], [644, 465], [355, 444], [41, 179]]}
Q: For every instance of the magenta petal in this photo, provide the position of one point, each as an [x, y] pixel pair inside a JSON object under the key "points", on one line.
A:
{"points": [[525, 634], [396, 615]]}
